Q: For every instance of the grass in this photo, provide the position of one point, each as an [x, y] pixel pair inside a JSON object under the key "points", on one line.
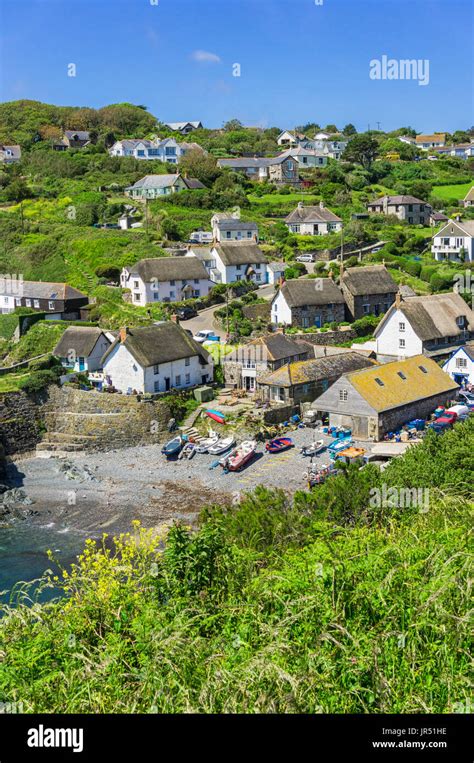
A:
{"points": [[447, 192], [10, 382]]}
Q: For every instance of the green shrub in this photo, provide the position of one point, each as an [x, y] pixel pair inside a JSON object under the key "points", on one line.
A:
{"points": [[38, 380]]}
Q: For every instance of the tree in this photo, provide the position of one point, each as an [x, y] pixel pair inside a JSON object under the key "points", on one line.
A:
{"points": [[331, 129], [232, 124], [201, 166], [169, 229], [362, 149], [17, 191], [349, 129]]}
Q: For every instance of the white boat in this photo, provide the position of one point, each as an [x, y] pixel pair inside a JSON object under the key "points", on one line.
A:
{"points": [[221, 446], [314, 448], [204, 445], [188, 451], [240, 456]]}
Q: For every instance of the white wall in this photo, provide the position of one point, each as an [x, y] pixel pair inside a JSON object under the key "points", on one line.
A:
{"points": [[452, 368], [159, 291], [456, 243], [307, 229], [232, 273], [388, 341], [281, 313], [123, 370]]}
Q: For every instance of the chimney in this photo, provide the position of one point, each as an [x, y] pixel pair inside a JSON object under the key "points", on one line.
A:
{"points": [[124, 331], [398, 299], [300, 205], [175, 318], [321, 204]]}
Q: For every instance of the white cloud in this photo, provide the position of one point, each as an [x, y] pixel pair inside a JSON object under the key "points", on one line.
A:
{"points": [[206, 56]]}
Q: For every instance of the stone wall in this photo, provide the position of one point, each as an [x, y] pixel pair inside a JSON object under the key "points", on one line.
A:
{"points": [[19, 422], [327, 337], [311, 313]]}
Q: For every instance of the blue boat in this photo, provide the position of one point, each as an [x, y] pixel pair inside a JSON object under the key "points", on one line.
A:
{"points": [[173, 447]]}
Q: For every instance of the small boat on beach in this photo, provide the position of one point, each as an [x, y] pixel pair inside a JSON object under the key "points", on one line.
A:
{"points": [[221, 446], [240, 456], [173, 447], [278, 444], [188, 451], [204, 445], [216, 415], [312, 450]]}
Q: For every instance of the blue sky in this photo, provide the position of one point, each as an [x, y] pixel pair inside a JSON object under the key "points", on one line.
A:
{"points": [[300, 60]]}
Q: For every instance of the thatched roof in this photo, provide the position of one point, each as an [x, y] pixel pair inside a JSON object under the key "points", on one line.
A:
{"points": [[373, 279], [170, 269], [80, 339], [311, 291], [240, 253], [433, 316], [161, 343]]}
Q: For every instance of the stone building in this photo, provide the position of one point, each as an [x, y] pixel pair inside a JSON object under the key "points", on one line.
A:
{"points": [[245, 366], [368, 290], [308, 302], [408, 208]]}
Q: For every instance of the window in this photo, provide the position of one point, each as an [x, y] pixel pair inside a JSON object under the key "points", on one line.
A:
{"points": [[460, 320], [135, 285], [305, 389], [401, 326], [238, 267], [18, 302], [156, 386], [461, 362], [183, 283], [196, 281], [36, 303], [28, 302], [249, 234], [295, 228], [305, 323], [172, 283], [366, 308], [136, 297], [410, 219], [402, 375], [187, 379], [140, 152], [423, 369], [228, 234], [156, 296], [410, 207], [196, 293], [187, 361], [422, 220], [156, 369], [343, 395], [51, 305], [172, 295], [401, 343], [379, 382], [178, 380]]}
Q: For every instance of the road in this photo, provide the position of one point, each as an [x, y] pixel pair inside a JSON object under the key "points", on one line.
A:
{"points": [[205, 318]]}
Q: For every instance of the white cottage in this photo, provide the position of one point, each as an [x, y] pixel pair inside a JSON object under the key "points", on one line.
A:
{"points": [[156, 359], [454, 241], [460, 366], [166, 279], [238, 261], [81, 348], [226, 227], [313, 221]]}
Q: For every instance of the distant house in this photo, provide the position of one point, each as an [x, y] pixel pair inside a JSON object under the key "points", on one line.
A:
{"points": [[156, 359], [468, 200], [454, 241], [72, 139], [413, 210], [436, 218], [381, 399], [154, 186], [308, 302], [167, 150], [460, 365], [184, 128], [301, 381], [367, 290], [166, 279], [313, 221], [430, 141], [81, 348], [58, 300], [9, 154], [433, 325], [276, 271], [225, 227], [307, 157], [245, 366], [460, 151], [288, 138], [238, 261], [282, 170]]}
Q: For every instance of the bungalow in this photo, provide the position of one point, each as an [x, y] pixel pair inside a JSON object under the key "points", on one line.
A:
{"points": [[225, 227], [72, 139], [58, 300], [432, 325], [156, 359], [282, 170], [302, 381], [81, 348], [409, 208], [468, 200], [166, 279], [426, 142], [460, 366], [184, 128], [454, 241], [367, 290], [313, 221], [9, 154], [460, 151], [307, 157], [244, 367], [308, 302], [378, 400], [154, 186], [287, 138], [238, 261]]}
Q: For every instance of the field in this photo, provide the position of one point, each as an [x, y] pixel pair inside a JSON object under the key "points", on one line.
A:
{"points": [[446, 192]]}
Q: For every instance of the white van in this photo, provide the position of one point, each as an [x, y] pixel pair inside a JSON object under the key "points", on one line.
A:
{"points": [[201, 237]]}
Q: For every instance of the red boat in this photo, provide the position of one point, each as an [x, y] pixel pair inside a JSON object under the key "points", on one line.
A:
{"points": [[240, 456], [278, 444], [216, 415]]}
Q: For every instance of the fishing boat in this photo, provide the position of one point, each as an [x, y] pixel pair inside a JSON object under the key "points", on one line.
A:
{"points": [[278, 444], [216, 415], [336, 446], [188, 451], [204, 445], [173, 447], [240, 456], [311, 450], [221, 446]]}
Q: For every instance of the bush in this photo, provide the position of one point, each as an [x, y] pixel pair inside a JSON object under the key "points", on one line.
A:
{"points": [[366, 325], [413, 268], [38, 380], [427, 271], [44, 364], [441, 282]]}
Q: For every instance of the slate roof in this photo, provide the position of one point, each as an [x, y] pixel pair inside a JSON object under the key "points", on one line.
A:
{"points": [[240, 253], [77, 134], [279, 346], [305, 291], [314, 214], [402, 199], [155, 181], [244, 162], [396, 391], [316, 369], [48, 290], [234, 224], [432, 316], [181, 125], [169, 269], [373, 279], [161, 343], [193, 183], [455, 228], [81, 339]]}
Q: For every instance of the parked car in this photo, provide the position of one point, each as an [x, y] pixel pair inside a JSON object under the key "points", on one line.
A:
{"points": [[444, 422], [185, 313], [201, 237], [305, 258], [467, 398], [206, 335]]}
